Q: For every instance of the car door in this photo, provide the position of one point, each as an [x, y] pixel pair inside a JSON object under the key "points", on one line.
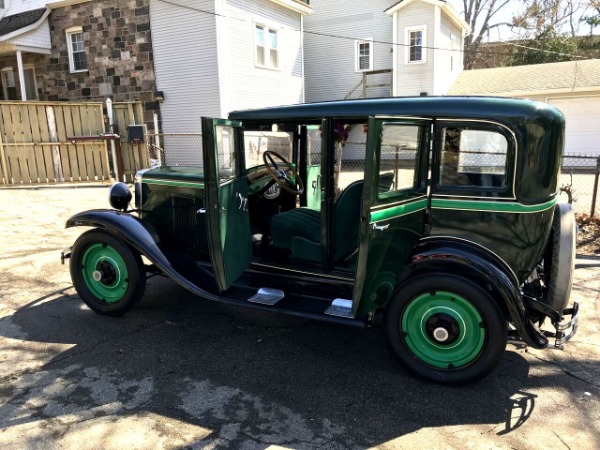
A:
{"points": [[394, 205], [229, 237]]}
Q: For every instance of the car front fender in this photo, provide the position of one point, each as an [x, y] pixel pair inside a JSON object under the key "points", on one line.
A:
{"points": [[139, 236]]}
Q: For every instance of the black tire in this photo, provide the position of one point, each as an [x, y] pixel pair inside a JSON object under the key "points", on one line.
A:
{"points": [[122, 279], [559, 261], [445, 329]]}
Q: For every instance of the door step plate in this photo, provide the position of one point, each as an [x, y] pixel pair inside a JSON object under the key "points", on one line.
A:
{"points": [[266, 296], [340, 307]]}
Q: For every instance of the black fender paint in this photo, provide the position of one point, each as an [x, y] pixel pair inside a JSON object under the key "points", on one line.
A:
{"points": [[138, 235], [466, 259]]}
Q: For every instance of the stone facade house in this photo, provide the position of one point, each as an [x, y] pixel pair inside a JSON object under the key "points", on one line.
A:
{"points": [[77, 51]]}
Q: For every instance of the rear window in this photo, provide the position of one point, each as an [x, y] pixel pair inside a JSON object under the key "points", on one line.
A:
{"points": [[473, 157]]}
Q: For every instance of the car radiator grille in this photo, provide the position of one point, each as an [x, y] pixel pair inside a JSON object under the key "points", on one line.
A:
{"points": [[184, 218]]}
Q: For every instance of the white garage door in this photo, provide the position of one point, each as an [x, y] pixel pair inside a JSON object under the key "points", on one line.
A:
{"points": [[583, 123]]}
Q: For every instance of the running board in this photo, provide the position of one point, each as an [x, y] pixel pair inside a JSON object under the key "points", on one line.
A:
{"points": [[340, 307], [266, 296]]}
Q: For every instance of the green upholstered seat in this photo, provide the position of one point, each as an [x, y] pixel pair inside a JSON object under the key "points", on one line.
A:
{"points": [[299, 230]]}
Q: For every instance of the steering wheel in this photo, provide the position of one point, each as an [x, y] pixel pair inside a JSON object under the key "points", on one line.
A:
{"points": [[280, 176]]}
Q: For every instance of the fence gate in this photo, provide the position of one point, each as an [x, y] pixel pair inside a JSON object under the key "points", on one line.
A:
{"points": [[134, 155], [35, 145]]}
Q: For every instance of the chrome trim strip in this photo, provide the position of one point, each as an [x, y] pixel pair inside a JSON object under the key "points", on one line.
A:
{"points": [[320, 275], [397, 203]]}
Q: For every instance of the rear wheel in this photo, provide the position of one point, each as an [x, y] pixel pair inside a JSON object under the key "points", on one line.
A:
{"points": [[445, 329], [108, 276]]}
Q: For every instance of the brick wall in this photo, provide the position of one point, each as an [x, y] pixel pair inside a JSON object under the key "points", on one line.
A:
{"points": [[118, 51]]}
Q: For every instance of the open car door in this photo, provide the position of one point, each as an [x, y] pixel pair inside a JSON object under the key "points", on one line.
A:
{"points": [[226, 190], [394, 207]]}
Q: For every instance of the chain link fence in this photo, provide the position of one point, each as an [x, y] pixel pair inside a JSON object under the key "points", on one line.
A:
{"points": [[578, 182]]}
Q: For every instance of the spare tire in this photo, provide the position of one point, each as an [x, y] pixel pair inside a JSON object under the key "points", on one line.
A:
{"points": [[559, 260]]}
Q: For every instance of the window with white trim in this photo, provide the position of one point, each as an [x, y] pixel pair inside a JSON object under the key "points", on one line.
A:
{"points": [[76, 49], [415, 41], [267, 47], [452, 50], [363, 54]]}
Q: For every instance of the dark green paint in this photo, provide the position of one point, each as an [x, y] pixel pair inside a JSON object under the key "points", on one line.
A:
{"points": [[229, 237], [382, 253]]}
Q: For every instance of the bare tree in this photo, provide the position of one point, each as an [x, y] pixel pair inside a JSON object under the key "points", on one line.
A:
{"points": [[481, 17], [527, 19]]}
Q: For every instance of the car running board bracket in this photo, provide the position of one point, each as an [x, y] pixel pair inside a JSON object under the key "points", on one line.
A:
{"points": [[340, 307], [266, 296]]}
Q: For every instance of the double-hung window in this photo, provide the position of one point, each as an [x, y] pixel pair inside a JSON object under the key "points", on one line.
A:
{"points": [[76, 48], [415, 40], [363, 51], [267, 47]]}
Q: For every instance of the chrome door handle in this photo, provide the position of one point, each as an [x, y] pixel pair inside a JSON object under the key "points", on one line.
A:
{"points": [[201, 211], [381, 227], [243, 202]]}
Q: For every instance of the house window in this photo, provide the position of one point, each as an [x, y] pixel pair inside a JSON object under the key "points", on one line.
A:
{"points": [[9, 89], [1, 4], [363, 55], [415, 38], [30, 83], [76, 47], [266, 47]]}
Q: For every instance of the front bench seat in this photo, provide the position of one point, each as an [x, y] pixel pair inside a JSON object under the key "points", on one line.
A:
{"points": [[299, 229]]}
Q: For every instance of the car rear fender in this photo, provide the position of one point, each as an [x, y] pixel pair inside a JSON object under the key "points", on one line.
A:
{"points": [[469, 260], [139, 236]]}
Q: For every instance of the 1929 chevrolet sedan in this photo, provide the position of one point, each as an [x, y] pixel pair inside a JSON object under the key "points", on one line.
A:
{"points": [[434, 217]]}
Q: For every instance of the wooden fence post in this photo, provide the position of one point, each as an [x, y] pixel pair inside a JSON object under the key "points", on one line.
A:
{"points": [[58, 170]]}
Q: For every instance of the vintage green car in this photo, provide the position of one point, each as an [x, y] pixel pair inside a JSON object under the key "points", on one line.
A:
{"points": [[434, 217]]}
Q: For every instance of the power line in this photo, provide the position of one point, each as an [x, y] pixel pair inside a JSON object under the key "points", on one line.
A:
{"points": [[350, 38]]}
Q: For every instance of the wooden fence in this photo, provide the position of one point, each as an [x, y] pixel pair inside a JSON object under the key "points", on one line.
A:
{"points": [[36, 145]]}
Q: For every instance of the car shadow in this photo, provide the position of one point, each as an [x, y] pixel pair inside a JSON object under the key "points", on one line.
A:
{"points": [[213, 365]]}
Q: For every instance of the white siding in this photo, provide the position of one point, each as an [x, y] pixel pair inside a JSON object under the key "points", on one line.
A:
{"points": [[185, 61], [40, 37], [448, 64], [256, 87], [413, 79], [330, 69]]}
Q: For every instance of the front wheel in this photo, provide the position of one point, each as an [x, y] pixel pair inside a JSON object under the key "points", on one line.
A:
{"points": [[108, 276], [445, 329]]}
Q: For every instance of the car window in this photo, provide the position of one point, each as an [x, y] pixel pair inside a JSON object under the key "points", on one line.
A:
{"points": [[473, 157], [350, 154], [257, 142], [399, 155], [227, 163]]}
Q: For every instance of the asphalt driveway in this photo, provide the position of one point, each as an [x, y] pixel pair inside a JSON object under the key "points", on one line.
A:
{"points": [[179, 372]]}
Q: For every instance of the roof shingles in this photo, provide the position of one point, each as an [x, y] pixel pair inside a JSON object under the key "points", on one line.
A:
{"points": [[564, 76], [15, 22]]}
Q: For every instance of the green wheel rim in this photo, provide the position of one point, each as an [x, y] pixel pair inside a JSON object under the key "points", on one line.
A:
{"points": [[105, 260], [468, 334]]}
